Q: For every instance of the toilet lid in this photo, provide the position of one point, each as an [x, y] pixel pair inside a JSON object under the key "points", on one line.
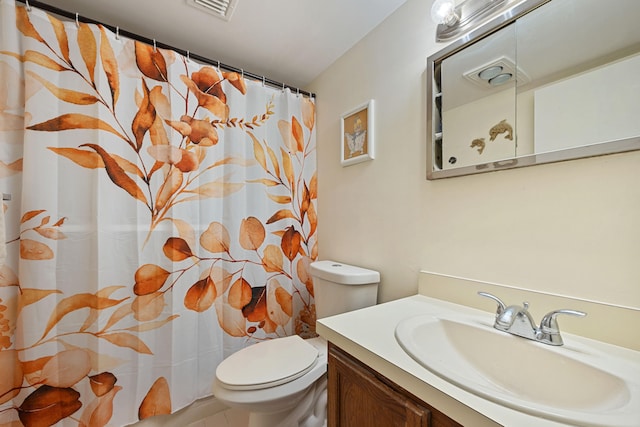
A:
{"points": [[267, 364]]}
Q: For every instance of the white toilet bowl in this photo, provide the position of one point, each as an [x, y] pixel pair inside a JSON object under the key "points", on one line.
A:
{"points": [[283, 382], [288, 390]]}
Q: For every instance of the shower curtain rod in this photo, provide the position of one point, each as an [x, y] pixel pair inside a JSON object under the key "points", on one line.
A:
{"points": [[138, 37]]}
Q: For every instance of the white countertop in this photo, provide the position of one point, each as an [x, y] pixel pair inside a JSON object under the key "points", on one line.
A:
{"points": [[368, 335]]}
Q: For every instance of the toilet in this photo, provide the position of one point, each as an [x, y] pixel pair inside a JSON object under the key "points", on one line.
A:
{"points": [[282, 382]]}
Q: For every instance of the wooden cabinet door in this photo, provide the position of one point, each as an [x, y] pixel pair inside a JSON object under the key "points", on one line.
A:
{"points": [[357, 398]]}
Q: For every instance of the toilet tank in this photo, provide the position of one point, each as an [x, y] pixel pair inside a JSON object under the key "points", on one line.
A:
{"points": [[339, 288]]}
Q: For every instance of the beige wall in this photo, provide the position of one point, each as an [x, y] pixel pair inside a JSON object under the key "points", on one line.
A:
{"points": [[570, 228]]}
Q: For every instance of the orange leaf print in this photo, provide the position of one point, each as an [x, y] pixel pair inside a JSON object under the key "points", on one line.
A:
{"points": [[149, 326], [100, 410], [11, 378], [157, 401], [272, 260], [88, 48], [288, 167], [201, 132], [144, 118], [264, 181], [290, 243], [124, 339], [51, 233], [102, 383], [169, 187], [216, 238], [222, 279], [231, 319], [148, 307], [256, 309], [149, 278], [287, 135], [66, 95], [42, 60], [274, 161], [302, 268], [313, 219], [30, 214], [283, 200], [86, 159], [201, 295], [61, 35], [281, 214], [313, 186], [66, 368], [239, 294], [151, 62], [33, 250], [47, 405], [279, 303], [117, 174], [236, 81], [298, 133], [208, 81], [177, 249], [110, 65], [28, 296], [258, 152], [76, 302], [306, 200], [252, 233], [308, 113], [25, 26], [215, 189], [74, 121], [215, 105], [122, 312]]}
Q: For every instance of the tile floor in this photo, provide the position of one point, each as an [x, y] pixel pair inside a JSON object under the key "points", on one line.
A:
{"points": [[227, 418]]}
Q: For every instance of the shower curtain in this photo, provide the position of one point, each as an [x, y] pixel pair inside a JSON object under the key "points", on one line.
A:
{"points": [[162, 215]]}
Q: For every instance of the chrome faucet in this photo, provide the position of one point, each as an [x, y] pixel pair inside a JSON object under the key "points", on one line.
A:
{"points": [[517, 320]]}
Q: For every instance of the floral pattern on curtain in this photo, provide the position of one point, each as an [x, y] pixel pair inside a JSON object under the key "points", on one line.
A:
{"points": [[163, 216]]}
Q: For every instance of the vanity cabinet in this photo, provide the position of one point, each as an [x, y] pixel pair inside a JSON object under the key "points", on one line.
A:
{"points": [[361, 397]]}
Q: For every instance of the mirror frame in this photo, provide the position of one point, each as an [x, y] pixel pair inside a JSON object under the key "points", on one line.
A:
{"points": [[510, 13]]}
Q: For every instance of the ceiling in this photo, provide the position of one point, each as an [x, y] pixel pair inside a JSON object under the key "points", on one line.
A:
{"points": [[289, 41]]}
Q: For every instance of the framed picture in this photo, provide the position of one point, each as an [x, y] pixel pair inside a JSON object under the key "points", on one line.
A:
{"points": [[356, 129]]}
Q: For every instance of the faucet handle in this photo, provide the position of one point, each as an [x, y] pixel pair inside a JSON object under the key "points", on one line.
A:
{"points": [[549, 331], [501, 306], [549, 322]]}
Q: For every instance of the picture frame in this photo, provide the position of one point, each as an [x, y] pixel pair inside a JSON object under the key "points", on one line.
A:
{"points": [[357, 134]]}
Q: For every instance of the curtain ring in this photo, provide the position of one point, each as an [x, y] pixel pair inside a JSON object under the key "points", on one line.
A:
{"points": [[242, 73], [77, 20], [187, 55], [28, 6], [283, 87], [117, 33], [263, 79], [154, 46], [218, 66], [298, 92]]}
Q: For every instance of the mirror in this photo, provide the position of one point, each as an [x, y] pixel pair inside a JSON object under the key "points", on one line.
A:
{"points": [[541, 82]]}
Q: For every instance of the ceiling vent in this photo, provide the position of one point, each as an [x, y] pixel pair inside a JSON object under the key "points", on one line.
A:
{"points": [[222, 9]]}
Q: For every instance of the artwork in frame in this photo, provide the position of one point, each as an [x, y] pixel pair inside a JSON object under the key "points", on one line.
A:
{"points": [[356, 129]]}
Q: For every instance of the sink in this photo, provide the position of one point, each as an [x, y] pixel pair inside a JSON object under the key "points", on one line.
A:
{"points": [[575, 383]]}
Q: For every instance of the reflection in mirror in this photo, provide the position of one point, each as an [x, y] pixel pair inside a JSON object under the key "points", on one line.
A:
{"points": [[478, 102], [545, 81]]}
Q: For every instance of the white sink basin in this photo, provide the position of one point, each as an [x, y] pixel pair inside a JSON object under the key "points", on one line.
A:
{"points": [[574, 383]]}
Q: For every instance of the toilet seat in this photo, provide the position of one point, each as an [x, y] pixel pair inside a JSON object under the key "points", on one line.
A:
{"points": [[267, 364]]}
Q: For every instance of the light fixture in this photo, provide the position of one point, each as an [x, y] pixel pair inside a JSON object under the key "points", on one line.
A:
{"points": [[454, 20], [490, 72], [500, 79], [444, 12]]}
